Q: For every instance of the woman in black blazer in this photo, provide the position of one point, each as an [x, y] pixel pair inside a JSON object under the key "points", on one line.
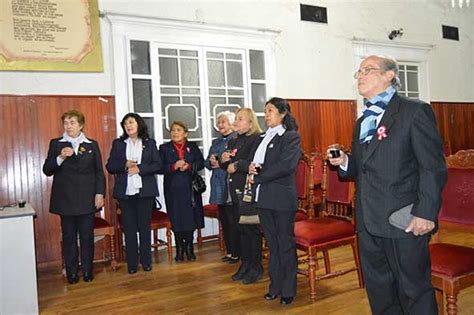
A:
{"points": [[236, 160], [134, 160], [275, 194], [77, 191], [183, 205]]}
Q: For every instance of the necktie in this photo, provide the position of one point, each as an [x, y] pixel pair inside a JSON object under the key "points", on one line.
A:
{"points": [[369, 122]]}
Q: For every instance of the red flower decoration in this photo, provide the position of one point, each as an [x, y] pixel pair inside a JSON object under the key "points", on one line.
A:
{"points": [[381, 132]]}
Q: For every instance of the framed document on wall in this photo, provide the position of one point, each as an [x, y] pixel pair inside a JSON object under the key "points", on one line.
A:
{"points": [[50, 35]]}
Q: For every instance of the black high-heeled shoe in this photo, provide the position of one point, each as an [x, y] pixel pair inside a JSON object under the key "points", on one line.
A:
{"points": [[270, 297], [88, 276], [179, 253], [72, 278], [286, 300], [190, 251]]}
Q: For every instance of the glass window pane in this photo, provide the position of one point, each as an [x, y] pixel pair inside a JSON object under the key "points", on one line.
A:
{"points": [[186, 114], [236, 101], [169, 91], [166, 100], [412, 78], [215, 55], [402, 80], [234, 74], [190, 91], [257, 65], [169, 71], [412, 68], [261, 122], [401, 67], [259, 97], [234, 56], [213, 101], [142, 96], [235, 92], [189, 72], [170, 52], [214, 132], [151, 128], [140, 55], [215, 73], [193, 100], [413, 95], [216, 91], [190, 53]]}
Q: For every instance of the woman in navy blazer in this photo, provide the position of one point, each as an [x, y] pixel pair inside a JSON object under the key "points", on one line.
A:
{"points": [[77, 191], [275, 194], [184, 207], [135, 161]]}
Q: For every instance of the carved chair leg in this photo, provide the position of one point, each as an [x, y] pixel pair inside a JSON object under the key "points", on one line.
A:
{"points": [[327, 263], [439, 301], [221, 237], [199, 237], [355, 250], [312, 273], [451, 306], [113, 262], [169, 243]]}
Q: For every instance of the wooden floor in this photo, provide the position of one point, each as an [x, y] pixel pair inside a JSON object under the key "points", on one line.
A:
{"points": [[205, 287]]}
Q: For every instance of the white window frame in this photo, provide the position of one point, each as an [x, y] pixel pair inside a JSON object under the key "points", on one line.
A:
{"points": [[417, 54], [182, 33]]}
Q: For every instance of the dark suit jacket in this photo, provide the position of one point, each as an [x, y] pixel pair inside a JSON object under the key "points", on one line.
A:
{"points": [[77, 180], [179, 196], [405, 167], [277, 178], [149, 167], [244, 145]]}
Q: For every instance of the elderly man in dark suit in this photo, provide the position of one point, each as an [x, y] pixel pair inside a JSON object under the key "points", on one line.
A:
{"points": [[397, 161]]}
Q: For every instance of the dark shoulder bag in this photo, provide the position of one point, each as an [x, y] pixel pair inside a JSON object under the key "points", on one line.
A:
{"points": [[198, 184]]}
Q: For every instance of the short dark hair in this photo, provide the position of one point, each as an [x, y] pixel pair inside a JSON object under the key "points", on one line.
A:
{"points": [[142, 127], [289, 122], [74, 113]]}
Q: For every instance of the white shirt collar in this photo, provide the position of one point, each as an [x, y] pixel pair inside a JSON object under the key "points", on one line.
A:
{"points": [[65, 138], [276, 130]]}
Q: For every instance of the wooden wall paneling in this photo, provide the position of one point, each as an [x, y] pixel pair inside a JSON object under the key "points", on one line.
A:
{"points": [[29, 122], [324, 122], [456, 124]]}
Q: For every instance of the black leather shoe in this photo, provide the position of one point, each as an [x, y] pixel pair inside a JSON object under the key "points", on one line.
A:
{"points": [[132, 271], [240, 274], [252, 276], [179, 253], [189, 250], [234, 260], [286, 300], [147, 268], [270, 296], [225, 258], [72, 278], [88, 276]]}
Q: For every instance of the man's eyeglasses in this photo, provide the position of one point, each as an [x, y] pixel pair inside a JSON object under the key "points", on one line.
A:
{"points": [[364, 71]]}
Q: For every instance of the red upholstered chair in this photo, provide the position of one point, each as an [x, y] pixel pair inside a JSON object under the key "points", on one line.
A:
{"points": [[452, 266], [159, 220], [304, 188], [212, 211], [333, 229], [461, 159]]}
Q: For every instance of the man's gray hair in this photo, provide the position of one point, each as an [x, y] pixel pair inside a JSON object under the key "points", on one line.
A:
{"points": [[388, 63], [227, 114]]}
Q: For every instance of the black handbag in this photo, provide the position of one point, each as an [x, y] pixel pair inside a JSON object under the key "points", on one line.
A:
{"points": [[198, 184], [247, 206]]}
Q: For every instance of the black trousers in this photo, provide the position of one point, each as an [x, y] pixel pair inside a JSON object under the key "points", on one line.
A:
{"points": [[229, 217], [136, 218], [71, 225], [184, 237], [251, 247], [278, 227], [397, 274]]}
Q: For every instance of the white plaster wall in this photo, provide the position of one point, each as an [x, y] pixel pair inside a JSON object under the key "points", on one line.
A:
{"points": [[313, 60]]}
